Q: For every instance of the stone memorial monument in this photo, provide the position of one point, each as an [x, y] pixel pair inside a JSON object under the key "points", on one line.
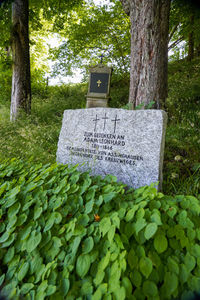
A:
{"points": [[126, 143], [99, 86]]}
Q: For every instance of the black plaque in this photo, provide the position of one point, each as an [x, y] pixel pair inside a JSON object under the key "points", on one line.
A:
{"points": [[99, 83]]}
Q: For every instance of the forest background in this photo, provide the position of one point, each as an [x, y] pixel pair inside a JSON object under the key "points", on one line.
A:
{"points": [[84, 30]]}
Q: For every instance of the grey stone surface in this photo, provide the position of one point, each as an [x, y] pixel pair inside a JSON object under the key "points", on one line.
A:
{"points": [[125, 143]]}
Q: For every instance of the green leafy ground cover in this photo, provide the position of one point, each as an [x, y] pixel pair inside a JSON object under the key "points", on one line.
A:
{"points": [[66, 235]]}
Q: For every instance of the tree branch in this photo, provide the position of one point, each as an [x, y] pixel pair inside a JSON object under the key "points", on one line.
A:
{"points": [[172, 32], [175, 43], [126, 6]]}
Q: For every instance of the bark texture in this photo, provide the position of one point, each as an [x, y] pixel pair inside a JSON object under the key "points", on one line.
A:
{"points": [[149, 54], [21, 86]]}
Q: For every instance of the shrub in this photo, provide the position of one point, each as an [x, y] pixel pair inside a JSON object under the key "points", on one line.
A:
{"points": [[66, 235]]}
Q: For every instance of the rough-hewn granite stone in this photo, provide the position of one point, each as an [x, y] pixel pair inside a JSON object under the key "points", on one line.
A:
{"points": [[125, 143]]}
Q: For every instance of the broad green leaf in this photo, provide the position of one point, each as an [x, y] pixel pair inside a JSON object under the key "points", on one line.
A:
{"points": [[103, 287], [25, 232], [2, 227], [4, 237], [115, 270], [9, 241], [97, 295], [88, 245], [33, 241], [127, 285], [23, 271], [120, 293], [12, 223], [89, 206], [194, 283], [51, 289], [140, 251], [149, 289], [90, 194], [83, 265], [35, 262], [58, 217], [121, 213], [2, 277], [184, 273], [182, 218], [111, 233], [83, 219], [30, 187], [108, 197], [190, 262], [139, 225], [99, 277], [129, 230], [94, 255], [26, 287], [9, 255], [9, 289], [172, 265], [105, 225], [160, 243], [65, 285], [37, 212], [150, 230], [145, 265], [41, 288], [86, 288], [115, 219], [170, 283], [3, 188], [76, 244], [140, 213], [99, 201], [155, 217], [21, 219], [136, 278], [13, 210], [132, 259], [172, 212], [11, 197], [195, 250], [50, 222], [104, 262], [27, 204], [130, 214]]}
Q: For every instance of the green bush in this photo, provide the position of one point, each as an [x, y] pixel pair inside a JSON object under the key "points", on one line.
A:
{"points": [[181, 171], [66, 235]]}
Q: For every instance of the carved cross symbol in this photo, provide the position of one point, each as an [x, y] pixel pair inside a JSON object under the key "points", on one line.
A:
{"points": [[99, 82], [105, 118], [95, 120], [115, 122]]}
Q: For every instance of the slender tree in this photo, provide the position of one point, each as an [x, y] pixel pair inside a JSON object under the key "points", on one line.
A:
{"points": [[149, 53], [21, 84]]}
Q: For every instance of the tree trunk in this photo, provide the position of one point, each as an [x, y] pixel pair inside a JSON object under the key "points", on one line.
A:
{"points": [[191, 40], [149, 54], [21, 86]]}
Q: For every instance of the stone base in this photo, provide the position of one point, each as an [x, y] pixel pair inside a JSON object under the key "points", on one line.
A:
{"points": [[96, 102]]}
